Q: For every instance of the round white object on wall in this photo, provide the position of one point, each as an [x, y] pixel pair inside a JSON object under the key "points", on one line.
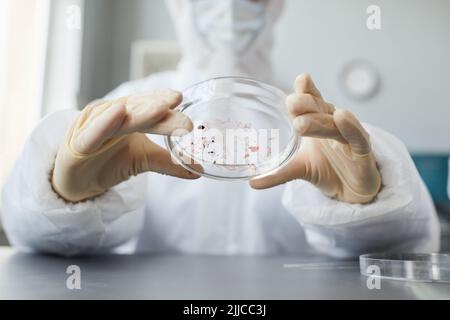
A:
{"points": [[360, 80]]}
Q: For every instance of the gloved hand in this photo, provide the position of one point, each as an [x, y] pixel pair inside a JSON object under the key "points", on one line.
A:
{"points": [[107, 144], [335, 154]]}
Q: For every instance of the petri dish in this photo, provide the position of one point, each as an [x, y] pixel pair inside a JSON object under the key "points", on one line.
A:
{"points": [[420, 267], [241, 129]]}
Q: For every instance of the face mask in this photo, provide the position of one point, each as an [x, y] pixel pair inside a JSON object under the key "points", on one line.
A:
{"points": [[229, 24]]}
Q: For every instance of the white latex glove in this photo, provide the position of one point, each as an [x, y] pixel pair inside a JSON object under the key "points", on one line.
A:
{"points": [[107, 144], [335, 154]]}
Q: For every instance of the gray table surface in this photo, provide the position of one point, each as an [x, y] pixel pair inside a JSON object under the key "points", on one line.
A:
{"points": [[25, 276]]}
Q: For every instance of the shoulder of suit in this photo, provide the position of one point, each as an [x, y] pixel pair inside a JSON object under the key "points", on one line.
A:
{"points": [[161, 80]]}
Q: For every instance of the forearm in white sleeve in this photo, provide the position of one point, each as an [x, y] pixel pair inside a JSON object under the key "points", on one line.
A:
{"points": [[36, 219], [402, 218]]}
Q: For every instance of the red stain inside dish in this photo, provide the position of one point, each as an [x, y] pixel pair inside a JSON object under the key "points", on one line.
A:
{"points": [[210, 143]]}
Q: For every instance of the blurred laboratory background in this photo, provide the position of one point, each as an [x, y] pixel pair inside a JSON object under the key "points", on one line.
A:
{"points": [[60, 54]]}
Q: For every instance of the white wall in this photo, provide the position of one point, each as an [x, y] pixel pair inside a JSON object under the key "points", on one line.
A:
{"points": [[411, 52], [139, 19], [97, 66], [62, 74]]}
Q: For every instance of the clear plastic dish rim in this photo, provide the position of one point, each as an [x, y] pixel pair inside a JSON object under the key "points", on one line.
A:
{"points": [[293, 143], [418, 262]]}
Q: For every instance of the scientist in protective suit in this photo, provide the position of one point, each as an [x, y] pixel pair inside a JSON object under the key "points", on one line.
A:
{"points": [[79, 185]]}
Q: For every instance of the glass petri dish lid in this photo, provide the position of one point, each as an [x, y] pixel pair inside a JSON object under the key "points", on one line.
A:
{"points": [[416, 267], [241, 129]]}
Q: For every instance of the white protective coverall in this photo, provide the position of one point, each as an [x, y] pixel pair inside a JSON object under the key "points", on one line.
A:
{"points": [[155, 213]]}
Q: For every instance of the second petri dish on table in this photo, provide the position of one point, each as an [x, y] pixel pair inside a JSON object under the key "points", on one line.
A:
{"points": [[241, 129], [416, 267]]}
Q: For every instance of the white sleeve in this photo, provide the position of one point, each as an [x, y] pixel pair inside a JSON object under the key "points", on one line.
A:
{"points": [[36, 219], [402, 218]]}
